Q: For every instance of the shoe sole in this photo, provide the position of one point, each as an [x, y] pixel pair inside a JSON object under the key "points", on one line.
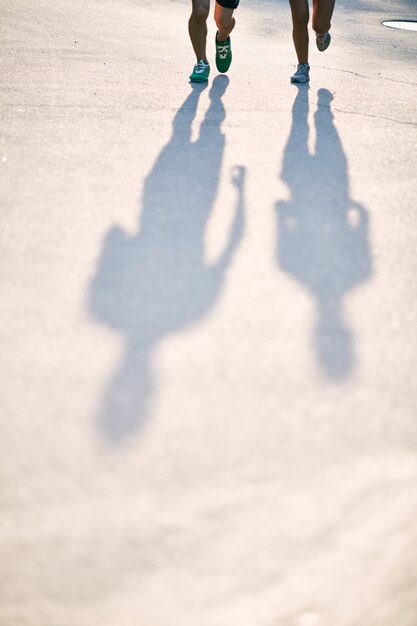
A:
{"points": [[198, 80], [223, 71], [299, 82]]}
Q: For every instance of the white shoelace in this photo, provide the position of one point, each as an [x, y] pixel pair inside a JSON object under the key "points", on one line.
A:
{"points": [[200, 67], [223, 51]]}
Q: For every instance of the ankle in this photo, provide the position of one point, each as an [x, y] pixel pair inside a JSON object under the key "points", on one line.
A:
{"points": [[223, 30], [221, 38]]}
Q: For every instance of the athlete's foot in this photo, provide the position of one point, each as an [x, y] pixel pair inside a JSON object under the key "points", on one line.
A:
{"points": [[223, 55], [323, 41], [200, 73], [302, 75]]}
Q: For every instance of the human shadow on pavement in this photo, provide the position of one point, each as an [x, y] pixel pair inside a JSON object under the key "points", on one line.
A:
{"points": [[156, 282], [322, 233]]}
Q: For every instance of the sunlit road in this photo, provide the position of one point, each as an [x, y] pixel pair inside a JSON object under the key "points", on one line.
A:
{"points": [[208, 402]]}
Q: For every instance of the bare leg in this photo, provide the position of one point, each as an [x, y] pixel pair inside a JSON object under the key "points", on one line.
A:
{"points": [[197, 27], [300, 16], [225, 22], [322, 15]]}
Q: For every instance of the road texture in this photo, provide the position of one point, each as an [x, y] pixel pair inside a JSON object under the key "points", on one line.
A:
{"points": [[208, 320]]}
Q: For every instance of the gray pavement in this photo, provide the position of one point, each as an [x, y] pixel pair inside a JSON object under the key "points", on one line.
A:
{"points": [[209, 320]]}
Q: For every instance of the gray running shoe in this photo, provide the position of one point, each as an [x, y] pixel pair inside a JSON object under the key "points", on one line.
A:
{"points": [[302, 75], [323, 42]]}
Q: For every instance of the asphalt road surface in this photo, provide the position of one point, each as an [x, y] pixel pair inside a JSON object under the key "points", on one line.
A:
{"points": [[208, 365]]}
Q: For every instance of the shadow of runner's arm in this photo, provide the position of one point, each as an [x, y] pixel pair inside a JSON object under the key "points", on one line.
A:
{"points": [[236, 231], [108, 289], [358, 220]]}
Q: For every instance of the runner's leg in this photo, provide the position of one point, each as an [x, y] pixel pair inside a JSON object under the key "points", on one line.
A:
{"points": [[322, 15], [197, 27], [300, 17], [224, 20]]}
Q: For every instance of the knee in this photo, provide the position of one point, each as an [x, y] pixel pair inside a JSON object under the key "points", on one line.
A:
{"points": [[300, 17], [200, 14], [223, 22]]}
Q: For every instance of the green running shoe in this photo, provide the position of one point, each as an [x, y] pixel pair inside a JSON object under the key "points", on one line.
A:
{"points": [[200, 73], [223, 55]]}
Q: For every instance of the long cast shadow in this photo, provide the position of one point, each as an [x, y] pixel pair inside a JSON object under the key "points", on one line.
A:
{"points": [[156, 282], [322, 233]]}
